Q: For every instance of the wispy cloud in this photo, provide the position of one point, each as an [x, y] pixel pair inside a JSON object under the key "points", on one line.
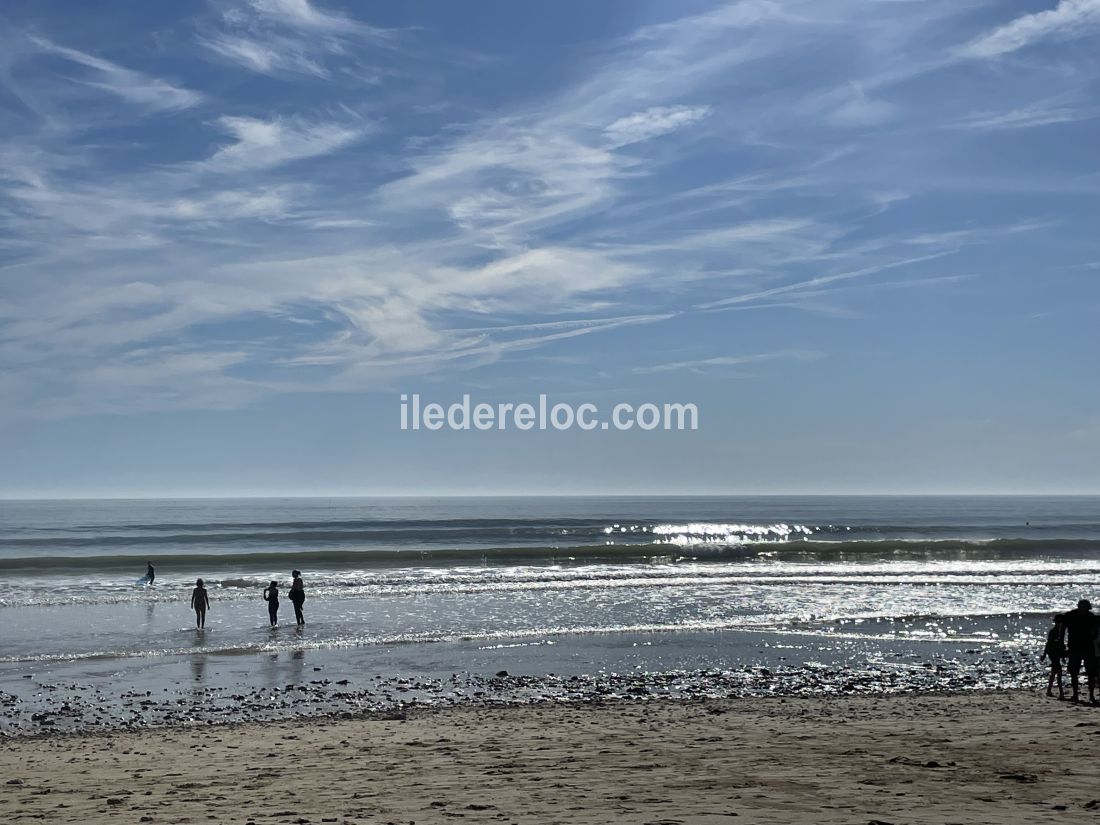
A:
{"points": [[287, 37], [273, 55], [701, 365], [856, 109], [1069, 19], [1042, 113], [653, 122], [284, 242], [259, 144], [133, 86], [813, 284], [305, 15]]}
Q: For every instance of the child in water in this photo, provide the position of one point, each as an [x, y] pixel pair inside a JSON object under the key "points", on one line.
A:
{"points": [[1055, 650], [271, 596], [200, 601]]}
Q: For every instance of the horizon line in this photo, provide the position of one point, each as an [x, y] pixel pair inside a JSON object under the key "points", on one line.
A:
{"points": [[312, 496]]}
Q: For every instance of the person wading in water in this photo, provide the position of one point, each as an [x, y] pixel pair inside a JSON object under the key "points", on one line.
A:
{"points": [[271, 596], [298, 597], [200, 601]]}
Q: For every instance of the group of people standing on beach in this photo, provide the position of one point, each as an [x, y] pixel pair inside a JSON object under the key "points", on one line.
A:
{"points": [[200, 599], [1075, 637]]}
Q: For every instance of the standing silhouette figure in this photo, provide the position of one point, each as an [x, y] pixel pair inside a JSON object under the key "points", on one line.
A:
{"points": [[271, 596], [200, 601], [298, 597]]}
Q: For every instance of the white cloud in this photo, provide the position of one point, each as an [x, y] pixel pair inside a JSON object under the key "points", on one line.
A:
{"points": [[862, 111], [1027, 117], [271, 56], [1070, 18], [702, 364], [338, 223], [269, 202], [653, 122], [468, 236], [260, 144], [304, 15], [128, 84], [813, 284], [286, 37], [851, 107]]}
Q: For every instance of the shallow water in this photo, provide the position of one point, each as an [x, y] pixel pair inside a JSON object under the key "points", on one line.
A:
{"points": [[416, 587], [204, 687]]}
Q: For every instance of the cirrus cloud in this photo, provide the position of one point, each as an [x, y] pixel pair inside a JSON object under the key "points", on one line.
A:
{"points": [[653, 122]]}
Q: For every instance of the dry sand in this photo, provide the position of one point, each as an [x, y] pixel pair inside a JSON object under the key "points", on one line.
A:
{"points": [[980, 758]]}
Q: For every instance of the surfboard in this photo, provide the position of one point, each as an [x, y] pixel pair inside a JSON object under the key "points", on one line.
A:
{"points": [[142, 580]]}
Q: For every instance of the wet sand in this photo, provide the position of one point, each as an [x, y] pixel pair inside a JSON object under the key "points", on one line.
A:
{"points": [[131, 693], [964, 758]]}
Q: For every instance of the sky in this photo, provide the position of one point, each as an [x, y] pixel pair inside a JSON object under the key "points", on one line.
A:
{"points": [[860, 235]]}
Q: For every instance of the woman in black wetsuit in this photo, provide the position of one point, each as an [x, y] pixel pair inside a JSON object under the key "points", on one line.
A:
{"points": [[271, 596], [298, 597]]}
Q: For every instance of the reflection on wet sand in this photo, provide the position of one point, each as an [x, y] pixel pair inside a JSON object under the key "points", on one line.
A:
{"points": [[198, 660], [282, 668]]}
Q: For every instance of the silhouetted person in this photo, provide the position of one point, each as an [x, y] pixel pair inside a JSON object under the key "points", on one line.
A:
{"points": [[1055, 650], [298, 597], [1082, 627], [200, 601], [271, 596], [150, 574]]}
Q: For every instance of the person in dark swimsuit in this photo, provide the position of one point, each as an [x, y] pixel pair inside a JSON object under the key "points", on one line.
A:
{"points": [[1055, 650], [200, 601], [298, 597], [271, 596], [150, 574]]}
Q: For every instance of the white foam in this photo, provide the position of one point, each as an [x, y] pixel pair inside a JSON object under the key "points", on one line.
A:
{"points": [[695, 533]]}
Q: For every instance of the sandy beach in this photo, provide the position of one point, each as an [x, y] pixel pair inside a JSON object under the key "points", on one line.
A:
{"points": [[970, 758]]}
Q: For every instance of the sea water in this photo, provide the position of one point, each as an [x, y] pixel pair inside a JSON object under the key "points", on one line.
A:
{"points": [[537, 584]]}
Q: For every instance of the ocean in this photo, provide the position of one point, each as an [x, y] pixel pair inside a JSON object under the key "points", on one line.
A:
{"points": [[422, 589]]}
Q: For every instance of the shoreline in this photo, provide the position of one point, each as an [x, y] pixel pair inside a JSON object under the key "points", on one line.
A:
{"points": [[976, 757], [202, 691], [418, 710]]}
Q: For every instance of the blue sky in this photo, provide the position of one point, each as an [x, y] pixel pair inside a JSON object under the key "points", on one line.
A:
{"points": [[859, 234]]}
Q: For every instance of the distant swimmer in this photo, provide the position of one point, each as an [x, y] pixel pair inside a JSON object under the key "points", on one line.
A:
{"points": [[200, 601], [298, 597], [271, 596], [150, 573]]}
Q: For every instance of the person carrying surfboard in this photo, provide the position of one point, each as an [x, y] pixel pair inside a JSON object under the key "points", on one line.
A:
{"points": [[150, 573]]}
